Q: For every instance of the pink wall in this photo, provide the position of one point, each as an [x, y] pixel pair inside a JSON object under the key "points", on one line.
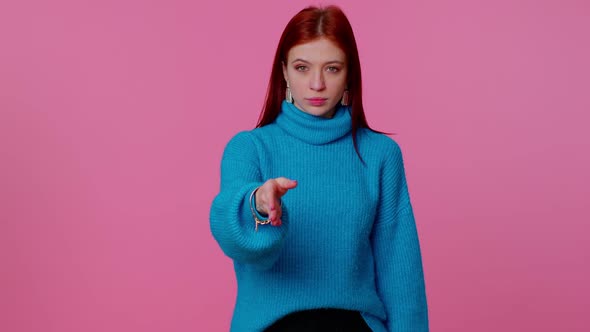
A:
{"points": [[114, 114]]}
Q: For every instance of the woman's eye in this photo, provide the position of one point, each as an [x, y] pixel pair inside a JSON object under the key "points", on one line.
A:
{"points": [[333, 69], [300, 68]]}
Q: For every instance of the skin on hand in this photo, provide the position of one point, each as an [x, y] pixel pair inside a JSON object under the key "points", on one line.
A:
{"points": [[268, 198]]}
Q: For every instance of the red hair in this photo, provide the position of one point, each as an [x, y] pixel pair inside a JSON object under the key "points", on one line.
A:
{"points": [[309, 24]]}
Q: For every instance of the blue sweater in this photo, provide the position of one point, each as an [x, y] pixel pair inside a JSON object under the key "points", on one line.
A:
{"points": [[348, 238]]}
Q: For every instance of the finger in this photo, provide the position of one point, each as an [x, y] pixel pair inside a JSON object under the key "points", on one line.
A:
{"points": [[277, 221], [272, 215], [272, 209], [279, 211], [280, 191], [285, 183]]}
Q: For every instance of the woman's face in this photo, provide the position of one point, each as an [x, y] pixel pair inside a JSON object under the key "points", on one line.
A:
{"points": [[316, 74]]}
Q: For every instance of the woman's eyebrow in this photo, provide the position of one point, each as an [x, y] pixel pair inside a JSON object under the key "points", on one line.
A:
{"points": [[328, 62]]}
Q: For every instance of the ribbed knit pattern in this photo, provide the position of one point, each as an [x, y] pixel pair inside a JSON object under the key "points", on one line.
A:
{"points": [[348, 238]]}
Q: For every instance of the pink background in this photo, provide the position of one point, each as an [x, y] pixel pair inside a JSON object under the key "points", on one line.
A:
{"points": [[114, 114]]}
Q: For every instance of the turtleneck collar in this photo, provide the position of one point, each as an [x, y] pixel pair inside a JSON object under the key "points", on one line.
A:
{"points": [[314, 129]]}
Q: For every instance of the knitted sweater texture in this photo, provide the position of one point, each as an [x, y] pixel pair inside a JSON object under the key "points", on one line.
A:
{"points": [[348, 238]]}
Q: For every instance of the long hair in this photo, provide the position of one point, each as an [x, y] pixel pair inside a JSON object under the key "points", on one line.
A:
{"points": [[309, 24]]}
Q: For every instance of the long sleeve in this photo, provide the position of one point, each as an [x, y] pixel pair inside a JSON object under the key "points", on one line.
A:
{"points": [[396, 248], [231, 220]]}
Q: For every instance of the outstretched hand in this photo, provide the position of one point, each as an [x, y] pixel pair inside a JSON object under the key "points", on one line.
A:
{"points": [[268, 198]]}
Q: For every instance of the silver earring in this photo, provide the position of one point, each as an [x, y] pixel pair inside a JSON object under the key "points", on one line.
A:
{"points": [[345, 97], [288, 95]]}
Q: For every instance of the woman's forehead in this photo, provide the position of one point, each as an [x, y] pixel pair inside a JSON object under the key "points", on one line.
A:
{"points": [[320, 49]]}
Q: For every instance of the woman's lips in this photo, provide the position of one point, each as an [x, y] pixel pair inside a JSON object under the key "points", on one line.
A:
{"points": [[316, 101]]}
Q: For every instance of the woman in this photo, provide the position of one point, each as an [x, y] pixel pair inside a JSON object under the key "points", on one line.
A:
{"points": [[314, 208]]}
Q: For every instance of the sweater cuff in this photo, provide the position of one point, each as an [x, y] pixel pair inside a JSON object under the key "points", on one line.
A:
{"points": [[260, 247]]}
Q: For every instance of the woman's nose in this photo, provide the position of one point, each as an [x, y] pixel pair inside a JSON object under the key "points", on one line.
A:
{"points": [[317, 81]]}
